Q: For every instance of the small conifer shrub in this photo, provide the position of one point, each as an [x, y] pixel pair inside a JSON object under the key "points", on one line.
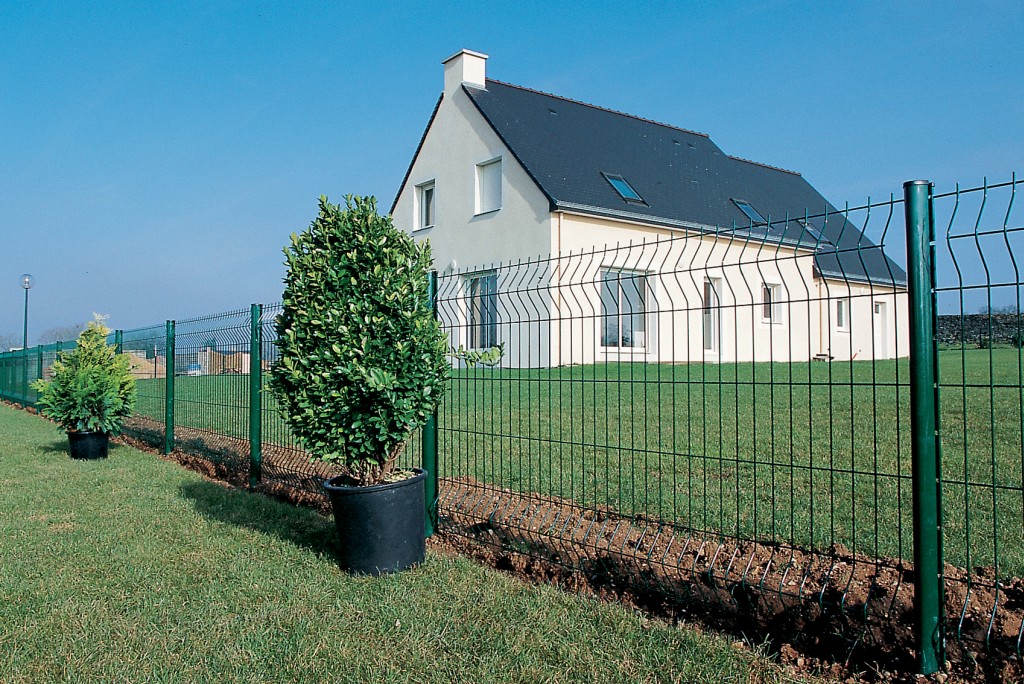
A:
{"points": [[92, 388]]}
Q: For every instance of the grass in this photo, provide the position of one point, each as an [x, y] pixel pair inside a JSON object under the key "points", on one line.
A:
{"points": [[814, 454], [133, 569]]}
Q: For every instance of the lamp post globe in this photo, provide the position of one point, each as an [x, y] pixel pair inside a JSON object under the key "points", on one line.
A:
{"points": [[27, 281]]}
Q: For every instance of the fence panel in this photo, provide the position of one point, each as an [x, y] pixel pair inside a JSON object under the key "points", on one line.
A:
{"points": [[147, 351], [211, 389], [704, 417], [980, 247]]}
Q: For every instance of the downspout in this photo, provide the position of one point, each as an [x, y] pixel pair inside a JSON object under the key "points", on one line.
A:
{"points": [[557, 358], [821, 319]]}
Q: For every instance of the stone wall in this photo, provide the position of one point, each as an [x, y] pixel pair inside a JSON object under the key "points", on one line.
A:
{"points": [[974, 329]]}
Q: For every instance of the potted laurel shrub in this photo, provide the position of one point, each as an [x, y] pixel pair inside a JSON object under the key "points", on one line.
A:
{"points": [[91, 392], [362, 363]]}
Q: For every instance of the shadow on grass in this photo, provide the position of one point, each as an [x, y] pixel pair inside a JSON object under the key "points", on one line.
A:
{"points": [[61, 446], [298, 526]]}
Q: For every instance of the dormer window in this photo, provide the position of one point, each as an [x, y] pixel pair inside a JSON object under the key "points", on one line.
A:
{"points": [[750, 212], [624, 189], [425, 205]]}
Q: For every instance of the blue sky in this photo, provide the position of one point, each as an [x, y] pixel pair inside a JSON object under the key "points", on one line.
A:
{"points": [[154, 157]]}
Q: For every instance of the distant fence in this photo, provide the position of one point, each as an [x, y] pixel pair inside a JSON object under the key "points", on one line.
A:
{"points": [[760, 423]]}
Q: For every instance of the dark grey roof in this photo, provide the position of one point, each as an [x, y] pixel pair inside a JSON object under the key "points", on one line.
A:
{"points": [[685, 180]]}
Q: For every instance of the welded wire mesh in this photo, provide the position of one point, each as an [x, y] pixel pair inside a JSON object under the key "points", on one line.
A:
{"points": [[980, 236], [147, 352], [211, 388], [729, 406]]}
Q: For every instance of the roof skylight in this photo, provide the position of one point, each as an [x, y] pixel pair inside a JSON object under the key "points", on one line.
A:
{"points": [[812, 231], [623, 187], [749, 211]]}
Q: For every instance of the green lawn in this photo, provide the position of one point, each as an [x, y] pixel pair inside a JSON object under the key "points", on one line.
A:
{"points": [[811, 453], [133, 569]]}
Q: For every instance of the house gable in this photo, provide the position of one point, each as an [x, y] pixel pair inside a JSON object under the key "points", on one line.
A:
{"points": [[457, 147]]}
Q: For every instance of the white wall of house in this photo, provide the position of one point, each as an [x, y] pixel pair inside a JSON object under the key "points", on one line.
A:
{"points": [[458, 140], [704, 296], [697, 298], [875, 324]]}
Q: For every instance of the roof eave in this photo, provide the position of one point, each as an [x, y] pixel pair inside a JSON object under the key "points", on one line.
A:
{"points": [[529, 172], [673, 224], [416, 155]]}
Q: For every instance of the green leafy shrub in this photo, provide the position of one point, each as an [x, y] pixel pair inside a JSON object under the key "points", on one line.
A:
{"points": [[92, 388], [362, 359]]}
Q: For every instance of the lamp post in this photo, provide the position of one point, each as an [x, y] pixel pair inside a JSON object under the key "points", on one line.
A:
{"points": [[26, 282]]}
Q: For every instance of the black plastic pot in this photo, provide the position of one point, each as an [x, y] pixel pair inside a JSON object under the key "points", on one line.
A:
{"points": [[381, 529], [88, 444]]}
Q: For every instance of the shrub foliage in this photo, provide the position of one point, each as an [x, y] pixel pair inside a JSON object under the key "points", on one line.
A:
{"points": [[92, 387], [362, 360]]}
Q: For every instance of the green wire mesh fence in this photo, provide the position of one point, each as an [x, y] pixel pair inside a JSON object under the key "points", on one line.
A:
{"points": [[705, 418], [715, 422], [981, 387]]}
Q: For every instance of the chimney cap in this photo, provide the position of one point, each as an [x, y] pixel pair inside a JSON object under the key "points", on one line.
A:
{"points": [[464, 51]]}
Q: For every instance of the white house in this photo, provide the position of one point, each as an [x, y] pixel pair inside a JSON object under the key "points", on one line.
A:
{"points": [[662, 247]]}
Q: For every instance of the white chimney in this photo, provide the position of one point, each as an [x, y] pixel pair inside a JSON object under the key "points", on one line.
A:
{"points": [[465, 66]]}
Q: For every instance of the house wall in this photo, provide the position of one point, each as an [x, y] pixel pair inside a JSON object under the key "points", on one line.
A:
{"points": [[549, 312], [677, 265], [884, 334], [459, 139]]}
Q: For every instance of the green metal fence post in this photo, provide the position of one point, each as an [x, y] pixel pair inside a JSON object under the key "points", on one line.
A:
{"points": [[255, 395], [924, 426], [429, 434], [119, 342], [169, 390]]}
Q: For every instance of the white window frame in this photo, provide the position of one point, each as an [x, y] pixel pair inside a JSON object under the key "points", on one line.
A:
{"points": [[481, 204], [646, 316], [481, 334], [843, 314], [426, 211], [772, 308]]}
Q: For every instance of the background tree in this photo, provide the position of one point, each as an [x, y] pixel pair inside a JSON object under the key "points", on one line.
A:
{"points": [[9, 342], [61, 333]]}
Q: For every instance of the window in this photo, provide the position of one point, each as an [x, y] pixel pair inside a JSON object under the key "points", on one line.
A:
{"points": [[843, 314], [488, 186], [712, 314], [749, 211], [624, 299], [483, 311], [624, 189], [425, 208], [813, 232], [771, 303]]}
